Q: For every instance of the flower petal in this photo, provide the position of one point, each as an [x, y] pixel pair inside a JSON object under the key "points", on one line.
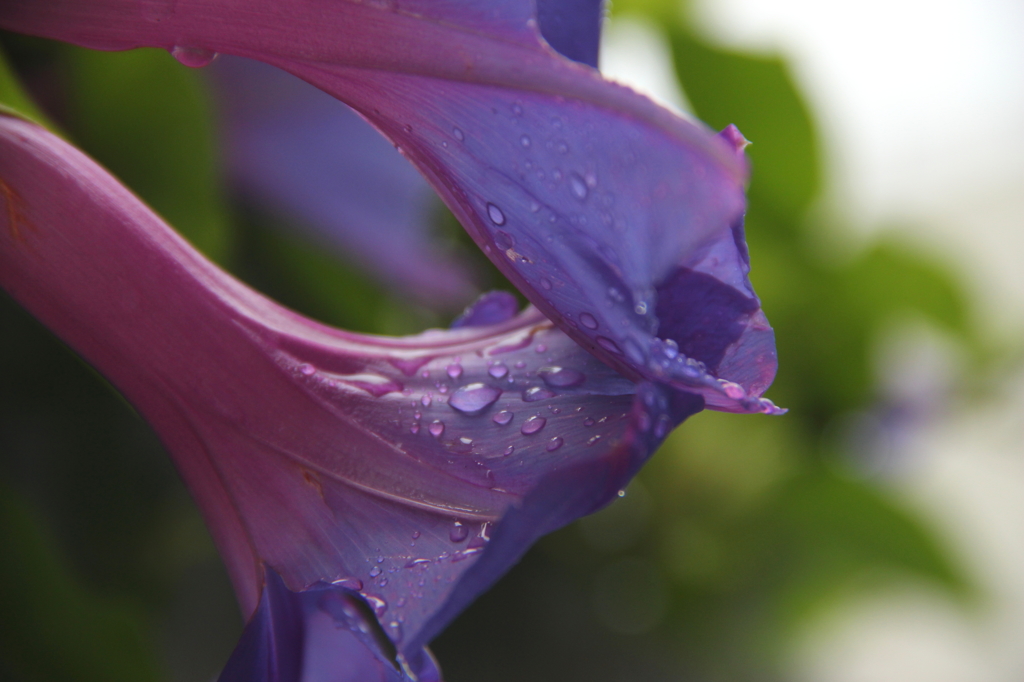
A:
{"points": [[593, 201], [572, 27], [324, 634], [413, 470], [297, 151]]}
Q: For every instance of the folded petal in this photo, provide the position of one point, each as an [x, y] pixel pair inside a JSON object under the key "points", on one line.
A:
{"points": [[411, 471], [296, 151], [603, 209]]}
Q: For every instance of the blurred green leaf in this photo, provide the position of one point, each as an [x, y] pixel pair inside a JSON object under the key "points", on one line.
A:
{"points": [[50, 627], [14, 100], [147, 118], [758, 95]]}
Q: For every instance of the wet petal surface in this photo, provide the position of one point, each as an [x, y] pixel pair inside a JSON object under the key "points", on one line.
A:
{"points": [[546, 165]]}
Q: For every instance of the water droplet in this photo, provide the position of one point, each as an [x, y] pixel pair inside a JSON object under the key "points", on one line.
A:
{"points": [[561, 377], [395, 631], [732, 390], [416, 415], [644, 422], [671, 349], [375, 571], [640, 308], [534, 206], [545, 283], [415, 535], [535, 393], [502, 418], [593, 439], [415, 428], [454, 370], [426, 400], [533, 425], [194, 57], [616, 295], [509, 450], [608, 345], [554, 444], [383, 582], [378, 605], [542, 348], [661, 427], [495, 214], [472, 399], [524, 141], [458, 533], [588, 422], [497, 370], [520, 364], [578, 187], [621, 493], [458, 134], [588, 321], [380, 558], [349, 583], [436, 428]]}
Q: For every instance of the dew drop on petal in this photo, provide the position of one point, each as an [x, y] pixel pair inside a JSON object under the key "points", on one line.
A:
{"points": [[542, 348], [608, 345], [502, 418], [375, 571], [395, 631], [588, 321], [509, 450], [458, 533], [497, 370], [436, 428], [640, 308], [495, 214], [561, 377], [578, 187], [307, 369], [593, 439], [458, 134], [454, 370], [554, 444], [545, 283], [524, 141], [588, 422], [533, 425], [349, 583], [415, 428], [194, 57], [535, 393], [473, 398], [426, 400]]}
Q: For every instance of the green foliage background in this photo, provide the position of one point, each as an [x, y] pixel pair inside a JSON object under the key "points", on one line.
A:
{"points": [[739, 532]]}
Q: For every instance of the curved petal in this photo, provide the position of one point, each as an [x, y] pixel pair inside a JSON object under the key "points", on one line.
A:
{"points": [[411, 470], [594, 202], [572, 27], [297, 151]]}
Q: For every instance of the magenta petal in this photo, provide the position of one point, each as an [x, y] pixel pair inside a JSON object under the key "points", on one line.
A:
{"points": [[594, 202], [383, 465]]}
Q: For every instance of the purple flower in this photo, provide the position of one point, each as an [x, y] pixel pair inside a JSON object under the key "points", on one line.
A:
{"points": [[362, 490]]}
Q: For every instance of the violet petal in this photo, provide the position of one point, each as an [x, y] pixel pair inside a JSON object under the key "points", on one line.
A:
{"points": [[561, 177], [310, 449], [491, 308], [300, 153], [572, 27]]}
